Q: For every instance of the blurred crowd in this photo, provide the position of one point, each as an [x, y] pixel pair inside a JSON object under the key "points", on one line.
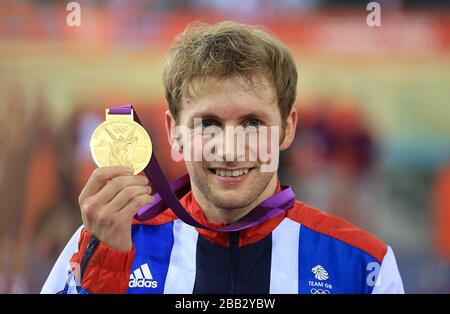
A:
{"points": [[332, 162]]}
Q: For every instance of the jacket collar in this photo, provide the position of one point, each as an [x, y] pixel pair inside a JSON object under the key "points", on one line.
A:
{"points": [[246, 236]]}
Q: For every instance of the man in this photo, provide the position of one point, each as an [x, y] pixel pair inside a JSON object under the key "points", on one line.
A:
{"points": [[222, 75]]}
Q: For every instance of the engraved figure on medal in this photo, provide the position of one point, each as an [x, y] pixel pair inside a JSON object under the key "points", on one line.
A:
{"points": [[121, 148]]}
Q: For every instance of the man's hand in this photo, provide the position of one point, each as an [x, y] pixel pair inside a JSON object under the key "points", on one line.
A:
{"points": [[109, 201]]}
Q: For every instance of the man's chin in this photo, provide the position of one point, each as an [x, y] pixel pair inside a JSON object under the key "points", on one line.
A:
{"points": [[230, 199], [227, 205]]}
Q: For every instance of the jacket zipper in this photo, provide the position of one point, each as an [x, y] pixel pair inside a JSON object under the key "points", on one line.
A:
{"points": [[234, 255], [90, 249]]}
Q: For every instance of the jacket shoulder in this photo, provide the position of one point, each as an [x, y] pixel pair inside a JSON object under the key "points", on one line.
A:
{"points": [[337, 228]]}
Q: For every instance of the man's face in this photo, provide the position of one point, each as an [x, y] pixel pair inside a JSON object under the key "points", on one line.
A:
{"points": [[225, 105]]}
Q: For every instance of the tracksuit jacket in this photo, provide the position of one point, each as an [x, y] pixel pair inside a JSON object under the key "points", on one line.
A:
{"points": [[303, 251]]}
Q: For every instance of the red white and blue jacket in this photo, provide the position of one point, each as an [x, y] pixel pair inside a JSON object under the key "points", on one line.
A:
{"points": [[302, 251]]}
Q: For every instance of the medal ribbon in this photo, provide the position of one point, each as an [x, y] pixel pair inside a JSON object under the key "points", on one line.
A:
{"points": [[168, 195]]}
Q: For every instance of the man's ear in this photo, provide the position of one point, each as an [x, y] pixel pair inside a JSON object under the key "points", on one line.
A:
{"points": [[289, 132], [173, 137], [170, 127]]}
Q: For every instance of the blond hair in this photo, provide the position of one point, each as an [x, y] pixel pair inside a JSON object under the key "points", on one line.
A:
{"points": [[226, 50]]}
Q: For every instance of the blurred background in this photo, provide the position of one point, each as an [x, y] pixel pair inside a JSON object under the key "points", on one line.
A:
{"points": [[373, 142]]}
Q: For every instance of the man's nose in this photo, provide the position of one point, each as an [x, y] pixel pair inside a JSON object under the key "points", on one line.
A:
{"points": [[233, 146]]}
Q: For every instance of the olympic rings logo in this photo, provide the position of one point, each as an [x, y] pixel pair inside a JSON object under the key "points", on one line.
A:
{"points": [[319, 291]]}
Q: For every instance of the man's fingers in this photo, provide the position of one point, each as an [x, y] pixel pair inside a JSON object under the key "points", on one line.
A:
{"points": [[134, 205], [127, 195], [117, 184], [100, 177]]}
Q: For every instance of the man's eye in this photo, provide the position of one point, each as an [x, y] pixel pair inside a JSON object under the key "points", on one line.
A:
{"points": [[254, 123], [208, 123]]}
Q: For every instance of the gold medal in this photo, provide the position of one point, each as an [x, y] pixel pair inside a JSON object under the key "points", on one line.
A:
{"points": [[120, 141]]}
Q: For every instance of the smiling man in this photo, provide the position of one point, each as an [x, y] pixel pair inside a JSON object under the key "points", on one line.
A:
{"points": [[233, 79], [225, 188]]}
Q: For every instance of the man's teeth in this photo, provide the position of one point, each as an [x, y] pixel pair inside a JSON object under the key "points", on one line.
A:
{"points": [[233, 173]]}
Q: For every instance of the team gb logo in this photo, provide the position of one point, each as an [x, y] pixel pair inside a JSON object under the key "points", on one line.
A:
{"points": [[319, 272]]}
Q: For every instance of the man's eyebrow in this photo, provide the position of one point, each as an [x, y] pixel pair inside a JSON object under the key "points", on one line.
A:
{"points": [[261, 115], [255, 115], [202, 115]]}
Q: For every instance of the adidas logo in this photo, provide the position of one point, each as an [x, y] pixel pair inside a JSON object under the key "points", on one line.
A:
{"points": [[142, 278]]}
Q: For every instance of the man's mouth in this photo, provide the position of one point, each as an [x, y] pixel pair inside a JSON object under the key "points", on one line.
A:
{"points": [[224, 172]]}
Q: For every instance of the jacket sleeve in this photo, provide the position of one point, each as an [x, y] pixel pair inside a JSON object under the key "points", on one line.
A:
{"points": [[61, 276], [389, 280], [107, 270]]}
